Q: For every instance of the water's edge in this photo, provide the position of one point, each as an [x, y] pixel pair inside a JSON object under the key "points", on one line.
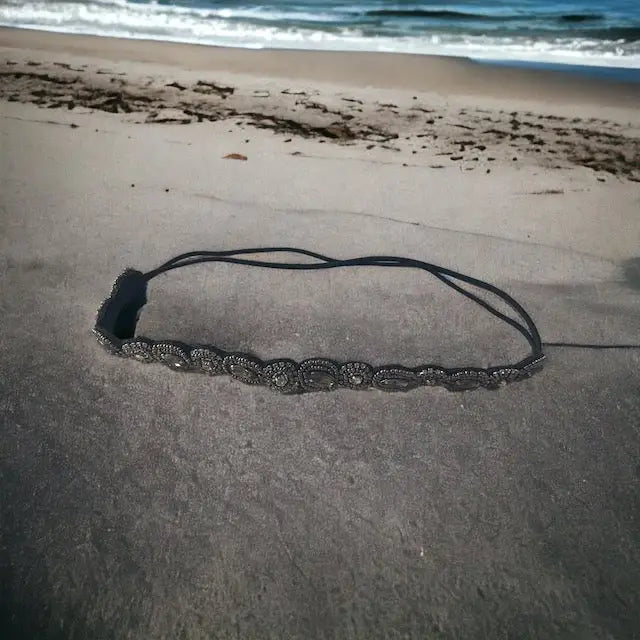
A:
{"points": [[607, 74], [600, 33], [612, 74]]}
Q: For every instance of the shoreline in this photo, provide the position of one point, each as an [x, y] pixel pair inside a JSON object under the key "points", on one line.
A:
{"points": [[389, 43], [446, 75], [599, 72], [437, 113]]}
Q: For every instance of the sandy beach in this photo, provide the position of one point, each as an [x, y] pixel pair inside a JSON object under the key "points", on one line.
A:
{"points": [[136, 502]]}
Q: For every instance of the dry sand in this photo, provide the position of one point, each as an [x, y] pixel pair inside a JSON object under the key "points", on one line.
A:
{"points": [[138, 503]]}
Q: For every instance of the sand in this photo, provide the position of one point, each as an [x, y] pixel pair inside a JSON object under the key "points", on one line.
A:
{"points": [[140, 503]]}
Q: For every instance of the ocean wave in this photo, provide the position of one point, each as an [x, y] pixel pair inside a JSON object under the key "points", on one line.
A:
{"points": [[204, 11], [616, 34], [446, 14], [212, 25]]}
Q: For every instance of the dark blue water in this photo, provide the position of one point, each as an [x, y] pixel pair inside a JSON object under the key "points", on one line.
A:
{"points": [[614, 74], [579, 33]]}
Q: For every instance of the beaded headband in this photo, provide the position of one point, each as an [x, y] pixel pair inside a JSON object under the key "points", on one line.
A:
{"points": [[118, 315]]}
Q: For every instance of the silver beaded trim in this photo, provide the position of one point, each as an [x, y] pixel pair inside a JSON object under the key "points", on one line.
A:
{"points": [[171, 355], [356, 375], [466, 379], [432, 376], [534, 366], [243, 368], [395, 379], [109, 345], [318, 374], [501, 376], [139, 349], [315, 374], [207, 360], [282, 376]]}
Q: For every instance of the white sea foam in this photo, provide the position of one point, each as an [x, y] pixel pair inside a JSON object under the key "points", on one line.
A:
{"points": [[226, 27]]}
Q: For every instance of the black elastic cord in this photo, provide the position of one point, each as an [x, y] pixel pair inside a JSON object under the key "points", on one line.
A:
{"points": [[580, 345], [528, 330], [490, 309], [233, 252]]}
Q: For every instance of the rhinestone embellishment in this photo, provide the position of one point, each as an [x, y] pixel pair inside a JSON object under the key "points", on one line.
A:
{"points": [[171, 355], [138, 350], [244, 369], [173, 361], [318, 375], [500, 376], [431, 376], [282, 376], [356, 375], [207, 361], [466, 380], [395, 379]]}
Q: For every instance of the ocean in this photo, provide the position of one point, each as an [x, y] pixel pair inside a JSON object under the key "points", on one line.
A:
{"points": [[604, 33]]}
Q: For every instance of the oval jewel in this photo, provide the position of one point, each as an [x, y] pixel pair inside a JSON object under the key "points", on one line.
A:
{"points": [[173, 361], [397, 384], [465, 383], [242, 372], [280, 380], [320, 380]]}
